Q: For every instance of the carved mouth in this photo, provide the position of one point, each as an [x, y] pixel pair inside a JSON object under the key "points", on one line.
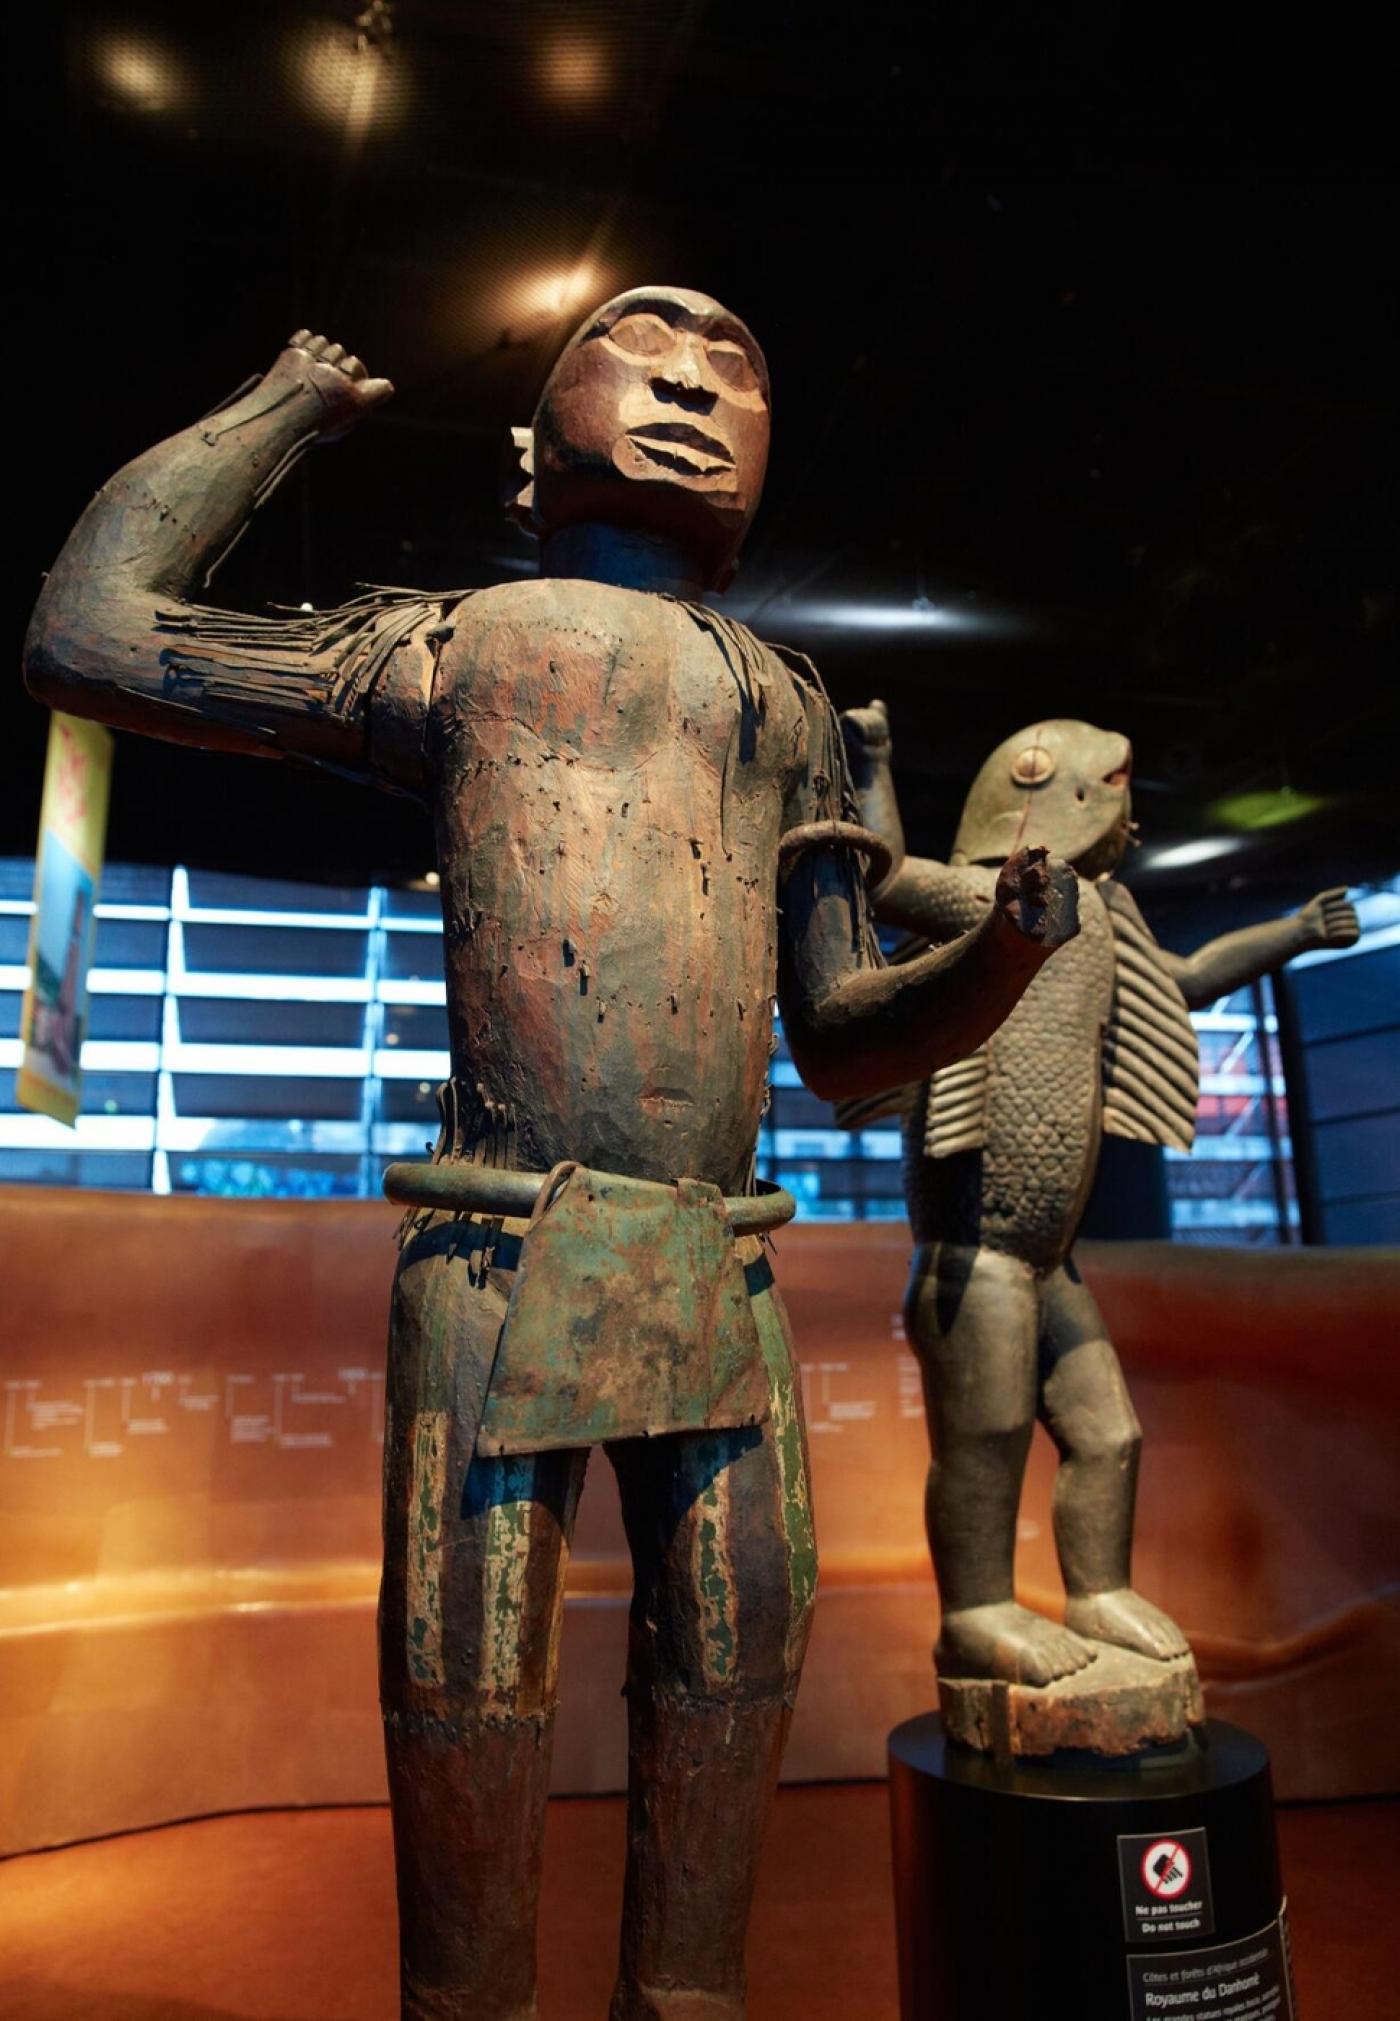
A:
{"points": [[681, 446]]}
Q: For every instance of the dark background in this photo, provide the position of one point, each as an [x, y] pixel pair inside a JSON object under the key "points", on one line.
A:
{"points": [[1081, 329]]}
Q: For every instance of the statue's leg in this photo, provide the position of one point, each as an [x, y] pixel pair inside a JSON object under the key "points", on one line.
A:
{"points": [[972, 1317], [1088, 1413], [725, 1564], [469, 1617]]}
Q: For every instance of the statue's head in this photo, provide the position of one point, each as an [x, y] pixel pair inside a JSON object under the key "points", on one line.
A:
{"points": [[1061, 786], [655, 418]]}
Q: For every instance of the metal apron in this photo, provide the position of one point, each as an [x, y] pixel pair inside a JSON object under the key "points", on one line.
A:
{"points": [[629, 1318]]}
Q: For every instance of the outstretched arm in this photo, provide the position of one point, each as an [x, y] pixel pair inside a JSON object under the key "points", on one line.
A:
{"points": [[115, 634], [856, 1029], [1235, 959], [919, 893]]}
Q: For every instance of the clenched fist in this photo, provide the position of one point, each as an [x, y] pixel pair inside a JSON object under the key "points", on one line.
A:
{"points": [[339, 382], [866, 730], [1038, 896]]}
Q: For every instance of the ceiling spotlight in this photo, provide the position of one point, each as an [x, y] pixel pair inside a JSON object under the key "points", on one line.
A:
{"points": [[558, 291], [344, 80], [1182, 855], [918, 616], [573, 70], [140, 73]]}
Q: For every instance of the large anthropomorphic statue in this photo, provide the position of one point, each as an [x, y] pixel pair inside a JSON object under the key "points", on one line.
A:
{"points": [[643, 828], [1000, 1153]]}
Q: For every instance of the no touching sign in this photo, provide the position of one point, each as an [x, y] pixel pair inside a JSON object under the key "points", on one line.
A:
{"points": [[1166, 1885], [1166, 1869]]}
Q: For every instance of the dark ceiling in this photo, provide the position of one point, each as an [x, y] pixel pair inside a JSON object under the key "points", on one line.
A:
{"points": [[1081, 336]]}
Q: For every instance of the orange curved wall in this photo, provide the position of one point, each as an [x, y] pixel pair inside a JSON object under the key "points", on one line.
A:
{"points": [[189, 1476]]}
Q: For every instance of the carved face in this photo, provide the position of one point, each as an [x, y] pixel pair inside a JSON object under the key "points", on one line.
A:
{"points": [[656, 417], [1060, 785]]}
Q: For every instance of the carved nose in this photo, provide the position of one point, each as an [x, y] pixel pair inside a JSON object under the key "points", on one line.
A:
{"points": [[683, 388], [683, 378], [686, 369]]}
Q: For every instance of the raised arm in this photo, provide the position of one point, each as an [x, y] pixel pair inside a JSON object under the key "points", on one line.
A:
{"points": [[115, 634], [919, 893], [1235, 959], [856, 1027], [869, 745]]}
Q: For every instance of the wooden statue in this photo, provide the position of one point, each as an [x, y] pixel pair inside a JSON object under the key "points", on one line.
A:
{"points": [[644, 827], [1001, 1149]]}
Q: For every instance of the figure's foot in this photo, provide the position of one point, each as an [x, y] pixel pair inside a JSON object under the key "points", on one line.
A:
{"points": [[1123, 1617], [1008, 1641], [672, 2003]]}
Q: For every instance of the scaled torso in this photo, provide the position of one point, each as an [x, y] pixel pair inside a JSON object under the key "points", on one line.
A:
{"points": [[1001, 1148]]}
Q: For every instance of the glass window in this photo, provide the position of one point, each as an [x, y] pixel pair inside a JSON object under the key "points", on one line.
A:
{"points": [[1237, 1184], [255, 949], [257, 1037], [273, 1021], [212, 891], [1340, 1025]]}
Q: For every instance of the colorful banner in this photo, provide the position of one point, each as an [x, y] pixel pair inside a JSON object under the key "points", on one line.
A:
{"points": [[68, 869]]}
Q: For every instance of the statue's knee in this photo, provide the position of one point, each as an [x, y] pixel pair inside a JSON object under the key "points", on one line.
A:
{"points": [[751, 1635], [1120, 1450], [1112, 1444], [772, 1656], [1088, 1409]]}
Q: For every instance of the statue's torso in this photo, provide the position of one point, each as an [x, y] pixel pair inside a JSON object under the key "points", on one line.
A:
{"points": [[609, 788], [1024, 1189]]}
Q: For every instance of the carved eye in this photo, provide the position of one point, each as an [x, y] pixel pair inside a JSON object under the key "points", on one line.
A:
{"points": [[1033, 766], [643, 336], [733, 364]]}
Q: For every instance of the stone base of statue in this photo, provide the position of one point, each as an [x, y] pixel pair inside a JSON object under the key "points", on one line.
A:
{"points": [[1121, 1704], [1095, 1890]]}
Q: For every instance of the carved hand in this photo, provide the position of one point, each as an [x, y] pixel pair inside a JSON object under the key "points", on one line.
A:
{"points": [[1329, 920], [1038, 896], [867, 735], [313, 365]]}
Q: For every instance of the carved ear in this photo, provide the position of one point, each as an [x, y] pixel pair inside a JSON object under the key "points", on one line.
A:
{"points": [[518, 479]]}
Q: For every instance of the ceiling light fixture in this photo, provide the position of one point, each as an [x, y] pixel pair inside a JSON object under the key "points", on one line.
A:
{"points": [[1249, 812], [918, 616], [559, 290], [1183, 855], [574, 70], [139, 72], [344, 81]]}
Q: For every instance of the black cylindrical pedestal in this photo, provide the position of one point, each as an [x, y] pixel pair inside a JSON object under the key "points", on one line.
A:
{"points": [[1092, 1890]]}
